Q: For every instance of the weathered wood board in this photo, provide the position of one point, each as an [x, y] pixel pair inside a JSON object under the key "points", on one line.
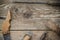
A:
{"points": [[37, 1], [1, 36], [1, 21], [19, 35], [34, 24], [51, 1], [38, 15], [35, 35]]}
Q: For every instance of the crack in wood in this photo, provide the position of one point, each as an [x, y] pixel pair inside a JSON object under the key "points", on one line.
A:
{"points": [[43, 36], [2, 18]]}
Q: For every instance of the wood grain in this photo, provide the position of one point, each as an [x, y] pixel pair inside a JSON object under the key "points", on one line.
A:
{"points": [[41, 18]]}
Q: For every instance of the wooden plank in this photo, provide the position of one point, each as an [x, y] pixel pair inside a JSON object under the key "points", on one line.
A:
{"points": [[37, 1], [36, 26], [19, 35], [3, 11], [1, 21], [1, 36], [48, 1], [43, 9], [40, 14]]}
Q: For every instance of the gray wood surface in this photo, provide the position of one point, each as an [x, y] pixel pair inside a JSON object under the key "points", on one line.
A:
{"points": [[52, 2], [37, 1], [19, 35], [1, 36], [40, 14], [34, 24]]}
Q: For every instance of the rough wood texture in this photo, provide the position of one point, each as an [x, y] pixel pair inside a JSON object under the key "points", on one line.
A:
{"points": [[1, 36], [1, 21], [32, 16], [48, 1], [32, 19], [38, 15], [19, 35]]}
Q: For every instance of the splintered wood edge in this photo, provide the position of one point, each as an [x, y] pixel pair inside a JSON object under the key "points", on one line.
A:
{"points": [[6, 23]]}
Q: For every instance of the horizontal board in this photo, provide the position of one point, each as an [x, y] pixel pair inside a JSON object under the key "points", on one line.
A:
{"points": [[40, 9], [1, 36], [1, 21], [36, 35], [52, 2], [43, 1], [38, 25], [32, 17], [39, 15], [3, 10]]}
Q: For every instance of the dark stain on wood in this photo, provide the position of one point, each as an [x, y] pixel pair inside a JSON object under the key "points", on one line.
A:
{"points": [[27, 15], [43, 36]]}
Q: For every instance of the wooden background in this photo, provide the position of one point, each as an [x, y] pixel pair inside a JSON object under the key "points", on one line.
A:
{"points": [[34, 24]]}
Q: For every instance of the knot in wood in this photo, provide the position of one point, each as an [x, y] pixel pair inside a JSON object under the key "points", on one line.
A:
{"points": [[27, 14]]}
